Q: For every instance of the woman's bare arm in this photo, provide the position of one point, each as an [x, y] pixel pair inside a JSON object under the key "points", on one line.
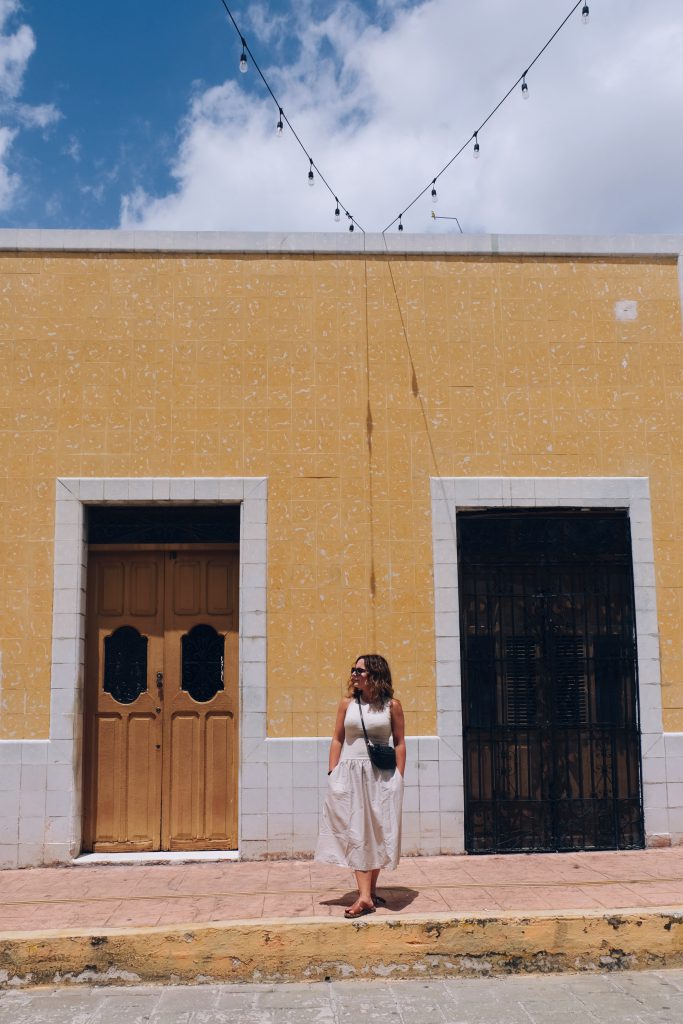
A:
{"points": [[338, 734], [398, 732]]}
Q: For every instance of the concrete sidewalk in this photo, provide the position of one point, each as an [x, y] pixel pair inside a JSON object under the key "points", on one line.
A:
{"points": [[110, 896], [64, 921]]}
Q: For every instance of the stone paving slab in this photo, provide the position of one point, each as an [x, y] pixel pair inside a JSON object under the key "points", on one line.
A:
{"points": [[643, 998], [283, 921], [111, 896]]}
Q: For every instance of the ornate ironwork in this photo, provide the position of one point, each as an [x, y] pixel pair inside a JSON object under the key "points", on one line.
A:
{"points": [[550, 696], [125, 664], [203, 651]]}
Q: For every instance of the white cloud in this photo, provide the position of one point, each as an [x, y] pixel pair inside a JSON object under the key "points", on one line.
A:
{"points": [[267, 28], [41, 115], [73, 149], [9, 183], [16, 49], [105, 178], [597, 148]]}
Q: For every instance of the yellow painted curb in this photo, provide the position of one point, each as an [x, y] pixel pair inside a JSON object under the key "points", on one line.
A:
{"points": [[308, 949]]}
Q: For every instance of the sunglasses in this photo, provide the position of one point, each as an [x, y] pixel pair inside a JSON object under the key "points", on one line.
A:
{"points": [[359, 671]]}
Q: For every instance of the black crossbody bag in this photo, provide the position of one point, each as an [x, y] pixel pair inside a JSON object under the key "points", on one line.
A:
{"points": [[382, 755]]}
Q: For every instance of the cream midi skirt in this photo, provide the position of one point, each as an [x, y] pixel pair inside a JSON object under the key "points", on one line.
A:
{"points": [[361, 822]]}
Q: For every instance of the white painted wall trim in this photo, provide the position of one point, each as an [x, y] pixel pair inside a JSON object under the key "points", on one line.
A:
{"points": [[453, 494], [338, 242]]}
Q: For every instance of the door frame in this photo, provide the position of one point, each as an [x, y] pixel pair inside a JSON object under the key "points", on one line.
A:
{"points": [[68, 632], [526, 732], [90, 757], [451, 495]]}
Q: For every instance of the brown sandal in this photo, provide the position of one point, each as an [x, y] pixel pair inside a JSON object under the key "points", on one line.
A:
{"points": [[361, 912]]}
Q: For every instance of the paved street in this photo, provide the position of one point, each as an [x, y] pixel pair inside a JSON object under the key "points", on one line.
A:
{"points": [[630, 998]]}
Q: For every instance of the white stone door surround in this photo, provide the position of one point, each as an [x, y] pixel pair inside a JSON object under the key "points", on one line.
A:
{"points": [[41, 779], [453, 494]]}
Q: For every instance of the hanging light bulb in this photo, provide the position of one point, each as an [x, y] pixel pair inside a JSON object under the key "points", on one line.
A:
{"points": [[400, 223], [243, 58], [435, 198], [585, 14], [337, 214], [475, 151], [525, 87], [279, 126], [351, 226], [311, 176]]}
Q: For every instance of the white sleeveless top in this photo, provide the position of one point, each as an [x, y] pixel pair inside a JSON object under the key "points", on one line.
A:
{"points": [[377, 724]]}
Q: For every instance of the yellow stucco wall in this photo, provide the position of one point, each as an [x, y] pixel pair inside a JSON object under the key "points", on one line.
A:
{"points": [[172, 365]]}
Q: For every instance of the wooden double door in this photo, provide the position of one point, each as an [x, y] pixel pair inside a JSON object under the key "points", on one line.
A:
{"points": [[161, 714]]}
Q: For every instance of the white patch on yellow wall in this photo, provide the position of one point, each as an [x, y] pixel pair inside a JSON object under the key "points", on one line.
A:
{"points": [[626, 309]]}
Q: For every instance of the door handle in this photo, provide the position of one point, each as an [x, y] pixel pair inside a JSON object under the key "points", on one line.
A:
{"points": [[160, 682]]}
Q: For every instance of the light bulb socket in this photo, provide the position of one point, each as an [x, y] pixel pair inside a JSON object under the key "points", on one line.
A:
{"points": [[525, 89], [585, 14], [475, 151], [279, 127], [351, 226], [337, 213], [311, 176], [400, 224], [435, 197]]}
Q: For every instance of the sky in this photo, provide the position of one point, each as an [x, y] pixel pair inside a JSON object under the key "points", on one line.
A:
{"points": [[134, 114]]}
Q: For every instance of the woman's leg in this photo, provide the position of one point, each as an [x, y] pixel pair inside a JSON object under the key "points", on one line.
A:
{"points": [[364, 883], [379, 901]]}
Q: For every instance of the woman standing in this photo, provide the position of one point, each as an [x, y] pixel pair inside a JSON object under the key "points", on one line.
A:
{"points": [[361, 826]]}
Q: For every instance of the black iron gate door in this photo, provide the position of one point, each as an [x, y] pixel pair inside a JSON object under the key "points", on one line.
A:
{"points": [[550, 695]]}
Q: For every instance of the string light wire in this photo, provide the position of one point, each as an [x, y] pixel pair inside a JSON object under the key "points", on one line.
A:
{"points": [[474, 136], [283, 117]]}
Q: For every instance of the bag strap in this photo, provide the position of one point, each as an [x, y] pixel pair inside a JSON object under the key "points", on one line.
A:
{"points": [[365, 732]]}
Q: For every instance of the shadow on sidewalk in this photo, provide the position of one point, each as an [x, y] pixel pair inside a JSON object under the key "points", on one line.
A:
{"points": [[398, 898]]}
